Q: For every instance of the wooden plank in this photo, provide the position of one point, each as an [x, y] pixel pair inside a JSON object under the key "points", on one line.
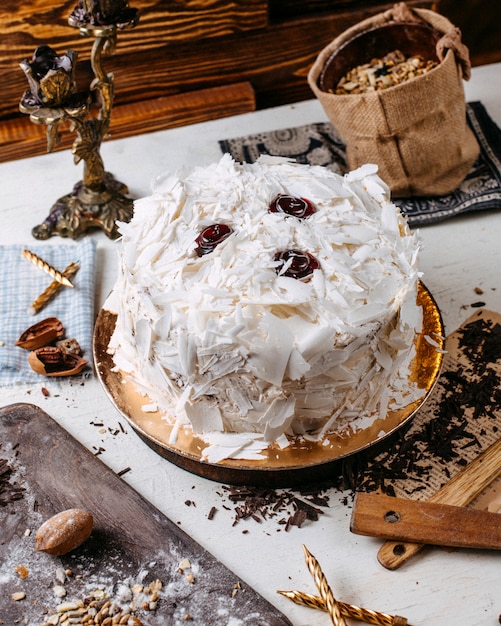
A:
{"points": [[19, 138], [24, 25], [283, 9], [130, 535]]}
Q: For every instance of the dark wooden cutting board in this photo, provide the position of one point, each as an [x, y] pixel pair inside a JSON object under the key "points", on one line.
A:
{"points": [[131, 539]]}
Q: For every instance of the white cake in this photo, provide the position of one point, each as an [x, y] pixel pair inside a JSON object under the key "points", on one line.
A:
{"points": [[235, 338]]}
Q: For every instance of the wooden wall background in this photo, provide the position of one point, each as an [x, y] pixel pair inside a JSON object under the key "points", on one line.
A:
{"points": [[193, 60]]}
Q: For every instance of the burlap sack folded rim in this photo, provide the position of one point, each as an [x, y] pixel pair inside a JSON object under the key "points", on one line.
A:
{"points": [[387, 127], [434, 19]]}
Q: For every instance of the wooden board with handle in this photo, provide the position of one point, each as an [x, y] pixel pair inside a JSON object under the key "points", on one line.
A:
{"points": [[379, 515], [130, 539], [462, 489]]}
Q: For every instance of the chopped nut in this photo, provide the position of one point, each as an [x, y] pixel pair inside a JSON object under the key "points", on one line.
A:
{"points": [[66, 606], [185, 564], [59, 591], [105, 609], [18, 595], [393, 69], [98, 610], [21, 571], [60, 575], [236, 588]]}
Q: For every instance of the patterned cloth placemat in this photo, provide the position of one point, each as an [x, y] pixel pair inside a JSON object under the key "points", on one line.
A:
{"points": [[21, 283], [319, 144]]}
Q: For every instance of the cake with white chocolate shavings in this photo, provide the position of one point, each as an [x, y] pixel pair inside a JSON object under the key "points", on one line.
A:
{"points": [[270, 299]]}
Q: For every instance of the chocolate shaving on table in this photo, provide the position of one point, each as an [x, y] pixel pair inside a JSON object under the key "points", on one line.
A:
{"points": [[9, 491], [212, 513], [289, 508]]}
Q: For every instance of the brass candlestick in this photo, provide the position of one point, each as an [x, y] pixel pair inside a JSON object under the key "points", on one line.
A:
{"points": [[98, 200]]}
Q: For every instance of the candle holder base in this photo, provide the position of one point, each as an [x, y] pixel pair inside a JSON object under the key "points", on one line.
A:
{"points": [[85, 208]]}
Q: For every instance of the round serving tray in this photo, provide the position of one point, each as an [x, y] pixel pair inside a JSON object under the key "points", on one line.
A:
{"points": [[300, 462]]}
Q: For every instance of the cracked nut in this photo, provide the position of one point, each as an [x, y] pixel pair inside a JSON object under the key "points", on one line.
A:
{"points": [[41, 334], [64, 532], [70, 346], [54, 361]]}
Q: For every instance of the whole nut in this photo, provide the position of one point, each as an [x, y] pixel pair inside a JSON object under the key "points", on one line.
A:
{"points": [[64, 532], [41, 334]]}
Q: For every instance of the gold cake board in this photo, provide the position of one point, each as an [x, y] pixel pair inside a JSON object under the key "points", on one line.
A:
{"points": [[299, 463]]}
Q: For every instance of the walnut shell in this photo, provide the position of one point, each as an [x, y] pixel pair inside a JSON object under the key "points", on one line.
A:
{"points": [[53, 361], [64, 532], [41, 334]]}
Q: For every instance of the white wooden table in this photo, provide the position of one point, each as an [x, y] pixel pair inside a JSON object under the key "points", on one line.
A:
{"points": [[439, 587]]}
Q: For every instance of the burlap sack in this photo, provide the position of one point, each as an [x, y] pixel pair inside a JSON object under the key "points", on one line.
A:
{"points": [[416, 132]]}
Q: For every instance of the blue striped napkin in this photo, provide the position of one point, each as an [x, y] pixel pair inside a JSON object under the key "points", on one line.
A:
{"points": [[21, 283]]}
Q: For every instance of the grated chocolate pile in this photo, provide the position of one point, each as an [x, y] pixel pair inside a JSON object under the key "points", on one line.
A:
{"points": [[286, 506]]}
